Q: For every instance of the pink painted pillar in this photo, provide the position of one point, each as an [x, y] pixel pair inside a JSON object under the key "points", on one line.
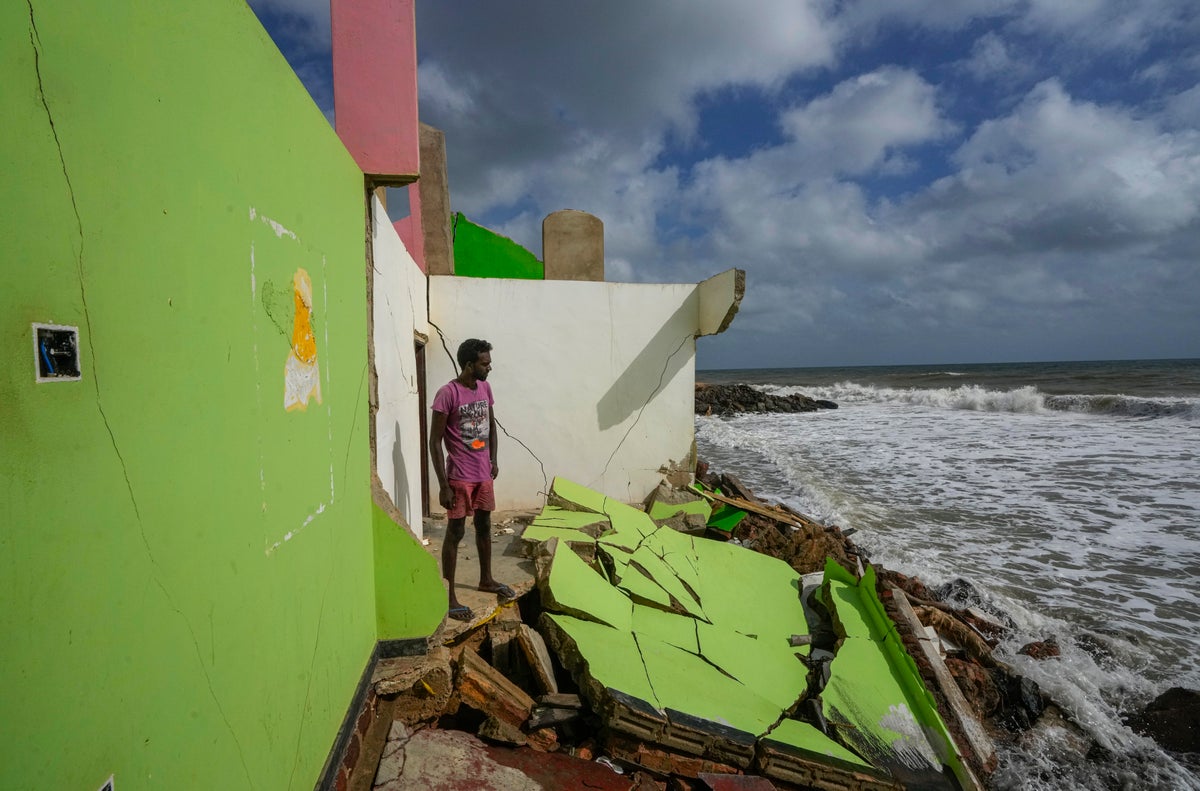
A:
{"points": [[375, 87]]}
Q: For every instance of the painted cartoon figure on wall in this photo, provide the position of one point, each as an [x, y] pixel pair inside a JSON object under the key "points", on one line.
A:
{"points": [[301, 373]]}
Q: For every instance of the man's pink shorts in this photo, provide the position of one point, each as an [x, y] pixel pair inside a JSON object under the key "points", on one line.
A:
{"points": [[471, 496]]}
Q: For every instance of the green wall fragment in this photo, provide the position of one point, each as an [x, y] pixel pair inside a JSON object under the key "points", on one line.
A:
{"points": [[726, 519], [410, 598], [875, 691], [479, 252]]}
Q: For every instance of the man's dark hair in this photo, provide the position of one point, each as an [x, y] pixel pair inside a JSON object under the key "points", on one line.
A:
{"points": [[470, 349]]}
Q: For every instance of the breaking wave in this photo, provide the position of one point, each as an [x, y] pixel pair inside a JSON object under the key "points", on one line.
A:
{"points": [[1027, 400]]}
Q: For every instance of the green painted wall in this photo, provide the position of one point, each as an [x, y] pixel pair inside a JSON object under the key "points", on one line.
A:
{"points": [[410, 595], [479, 252], [188, 584]]}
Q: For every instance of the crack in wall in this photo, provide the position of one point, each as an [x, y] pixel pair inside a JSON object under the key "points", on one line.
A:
{"points": [[353, 424], [454, 364], [35, 42]]}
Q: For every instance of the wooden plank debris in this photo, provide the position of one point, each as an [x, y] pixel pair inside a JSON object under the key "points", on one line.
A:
{"points": [[485, 689], [960, 710], [538, 657], [779, 513]]}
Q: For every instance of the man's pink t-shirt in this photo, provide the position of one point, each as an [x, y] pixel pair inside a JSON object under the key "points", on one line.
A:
{"points": [[468, 430]]}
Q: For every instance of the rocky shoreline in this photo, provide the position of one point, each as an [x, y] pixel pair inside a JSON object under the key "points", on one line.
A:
{"points": [[731, 399]]}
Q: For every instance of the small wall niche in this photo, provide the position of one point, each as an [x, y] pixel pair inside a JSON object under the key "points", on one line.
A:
{"points": [[55, 353]]}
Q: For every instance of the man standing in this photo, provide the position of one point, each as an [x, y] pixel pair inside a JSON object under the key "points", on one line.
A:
{"points": [[463, 419]]}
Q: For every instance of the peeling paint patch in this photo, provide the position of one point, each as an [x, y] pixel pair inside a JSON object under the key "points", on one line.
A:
{"points": [[302, 374], [292, 533]]}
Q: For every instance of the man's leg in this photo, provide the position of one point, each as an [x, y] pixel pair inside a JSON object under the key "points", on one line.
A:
{"points": [[455, 529], [483, 546]]}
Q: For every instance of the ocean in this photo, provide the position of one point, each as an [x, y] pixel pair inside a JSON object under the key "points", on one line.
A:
{"points": [[1068, 493]]}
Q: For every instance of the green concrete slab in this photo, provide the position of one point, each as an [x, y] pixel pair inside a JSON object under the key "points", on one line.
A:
{"points": [[687, 683], [589, 500], [866, 700], [677, 552], [747, 592], [591, 523], [767, 665], [538, 533], [637, 584], [854, 606], [666, 627], [615, 556], [628, 540], [726, 519], [578, 589], [665, 577], [659, 511], [805, 737], [611, 655]]}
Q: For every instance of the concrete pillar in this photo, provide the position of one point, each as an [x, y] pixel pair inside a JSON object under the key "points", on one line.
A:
{"points": [[434, 199], [375, 86], [573, 246]]}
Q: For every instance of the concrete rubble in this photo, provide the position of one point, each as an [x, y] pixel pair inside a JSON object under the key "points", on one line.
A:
{"points": [[704, 640]]}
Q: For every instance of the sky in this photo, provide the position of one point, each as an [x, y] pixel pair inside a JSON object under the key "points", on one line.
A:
{"points": [[903, 181]]}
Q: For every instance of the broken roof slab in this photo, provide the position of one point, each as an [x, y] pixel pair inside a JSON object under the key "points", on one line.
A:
{"points": [[574, 497], [686, 642], [660, 510], [595, 525], [875, 697], [575, 588]]}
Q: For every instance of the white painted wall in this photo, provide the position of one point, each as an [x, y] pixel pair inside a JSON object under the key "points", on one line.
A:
{"points": [[399, 312], [597, 379]]}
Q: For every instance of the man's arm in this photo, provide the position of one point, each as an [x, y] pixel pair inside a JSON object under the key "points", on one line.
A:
{"points": [[436, 432], [493, 435]]}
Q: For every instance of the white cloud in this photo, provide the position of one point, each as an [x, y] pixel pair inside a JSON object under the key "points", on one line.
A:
{"points": [[901, 216], [853, 129], [992, 59], [1062, 174]]}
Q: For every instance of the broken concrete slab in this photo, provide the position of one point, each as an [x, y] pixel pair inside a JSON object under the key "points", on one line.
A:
{"points": [[875, 698], [573, 587], [709, 669], [570, 496], [587, 522], [583, 544]]}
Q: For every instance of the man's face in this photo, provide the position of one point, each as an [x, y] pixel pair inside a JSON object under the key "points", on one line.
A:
{"points": [[481, 366]]}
